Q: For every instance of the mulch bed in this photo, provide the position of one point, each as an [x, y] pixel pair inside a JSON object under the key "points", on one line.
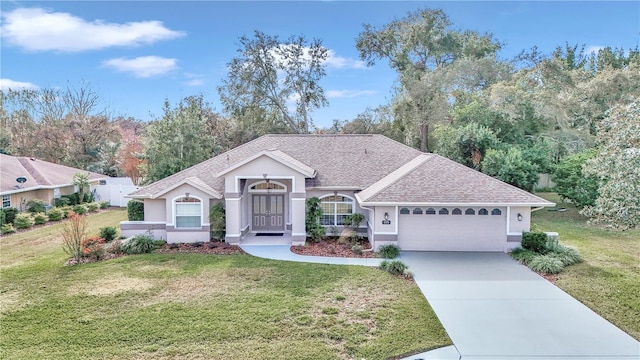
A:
{"points": [[331, 248], [219, 248]]}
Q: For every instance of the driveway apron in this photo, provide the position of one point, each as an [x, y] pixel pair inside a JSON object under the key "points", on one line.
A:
{"points": [[495, 308]]}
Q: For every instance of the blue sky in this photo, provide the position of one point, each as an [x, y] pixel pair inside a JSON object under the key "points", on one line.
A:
{"points": [[137, 53]]}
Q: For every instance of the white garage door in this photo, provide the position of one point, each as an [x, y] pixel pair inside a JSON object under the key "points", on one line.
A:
{"points": [[452, 229]]}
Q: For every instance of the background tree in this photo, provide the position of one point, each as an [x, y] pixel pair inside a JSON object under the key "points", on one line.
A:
{"points": [[273, 85], [420, 47], [571, 181], [179, 139], [617, 166]]}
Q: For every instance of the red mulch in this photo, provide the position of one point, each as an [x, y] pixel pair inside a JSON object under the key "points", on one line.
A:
{"points": [[219, 248], [552, 278], [331, 248]]}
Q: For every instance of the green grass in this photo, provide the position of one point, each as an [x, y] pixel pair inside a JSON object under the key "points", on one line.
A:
{"points": [[201, 306], [608, 281]]}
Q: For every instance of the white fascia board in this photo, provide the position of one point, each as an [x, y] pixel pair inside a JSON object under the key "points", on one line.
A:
{"points": [[454, 204]]}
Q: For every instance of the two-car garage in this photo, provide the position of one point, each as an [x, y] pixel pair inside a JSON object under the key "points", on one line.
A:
{"points": [[452, 228]]}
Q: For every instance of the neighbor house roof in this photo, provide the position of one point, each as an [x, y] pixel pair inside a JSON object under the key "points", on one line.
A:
{"points": [[348, 161], [386, 171], [40, 174], [433, 179]]}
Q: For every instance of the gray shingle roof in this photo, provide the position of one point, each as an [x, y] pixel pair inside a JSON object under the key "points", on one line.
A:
{"points": [[385, 170], [433, 179], [39, 173], [339, 160]]}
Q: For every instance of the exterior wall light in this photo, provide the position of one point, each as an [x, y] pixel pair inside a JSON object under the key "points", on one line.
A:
{"points": [[186, 195], [519, 217], [386, 216]]}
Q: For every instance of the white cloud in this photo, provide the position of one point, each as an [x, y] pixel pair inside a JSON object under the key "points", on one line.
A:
{"points": [[335, 94], [36, 29], [143, 66], [339, 62], [6, 84], [194, 82], [593, 49], [332, 61]]}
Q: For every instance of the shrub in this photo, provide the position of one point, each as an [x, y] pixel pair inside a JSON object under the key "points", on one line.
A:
{"points": [[9, 215], [357, 249], [40, 218], [312, 219], [7, 229], [567, 254], [114, 247], [79, 209], [104, 204], [546, 264], [93, 206], [159, 243], [61, 201], [55, 214], [135, 210], [93, 247], [388, 251], [23, 221], [36, 206], [524, 256], [108, 233], [354, 220], [66, 211], [196, 244], [394, 267], [73, 232], [535, 241], [217, 219], [139, 244]]}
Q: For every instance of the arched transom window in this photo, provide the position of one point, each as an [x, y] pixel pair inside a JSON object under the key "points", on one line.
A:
{"points": [[188, 212], [335, 208], [268, 186]]}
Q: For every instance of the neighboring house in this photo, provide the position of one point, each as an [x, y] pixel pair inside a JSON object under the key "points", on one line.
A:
{"points": [[415, 200], [41, 180], [114, 190]]}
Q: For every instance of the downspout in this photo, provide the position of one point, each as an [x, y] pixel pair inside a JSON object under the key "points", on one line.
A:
{"points": [[372, 240]]}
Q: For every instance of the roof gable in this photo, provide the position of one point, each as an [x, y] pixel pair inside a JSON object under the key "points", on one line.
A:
{"points": [[433, 179], [275, 155], [194, 182]]}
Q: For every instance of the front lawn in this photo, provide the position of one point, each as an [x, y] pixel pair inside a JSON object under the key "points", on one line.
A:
{"points": [[201, 306], [608, 281]]}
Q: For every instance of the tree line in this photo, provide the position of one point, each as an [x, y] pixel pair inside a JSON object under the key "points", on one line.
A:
{"points": [[556, 113]]}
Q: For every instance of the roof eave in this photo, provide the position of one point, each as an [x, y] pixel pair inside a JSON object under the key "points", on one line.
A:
{"points": [[474, 204]]}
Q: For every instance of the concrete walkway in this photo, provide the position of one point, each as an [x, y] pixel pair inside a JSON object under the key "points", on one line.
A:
{"points": [[494, 308]]}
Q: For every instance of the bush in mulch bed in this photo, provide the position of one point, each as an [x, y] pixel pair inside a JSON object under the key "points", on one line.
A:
{"points": [[332, 248], [219, 248]]}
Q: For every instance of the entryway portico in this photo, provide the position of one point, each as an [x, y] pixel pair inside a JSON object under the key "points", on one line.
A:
{"points": [[266, 194]]}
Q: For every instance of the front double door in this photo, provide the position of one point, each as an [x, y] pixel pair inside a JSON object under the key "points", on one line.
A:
{"points": [[268, 212]]}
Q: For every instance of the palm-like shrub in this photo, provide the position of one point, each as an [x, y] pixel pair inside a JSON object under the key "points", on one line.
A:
{"points": [[524, 256], [546, 264], [567, 254], [139, 244]]}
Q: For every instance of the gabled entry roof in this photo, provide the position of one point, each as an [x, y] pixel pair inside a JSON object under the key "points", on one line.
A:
{"points": [[278, 156]]}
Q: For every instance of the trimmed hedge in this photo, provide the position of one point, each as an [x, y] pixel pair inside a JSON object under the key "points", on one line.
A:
{"points": [[55, 214], [23, 221], [388, 251], [40, 218], [135, 210]]}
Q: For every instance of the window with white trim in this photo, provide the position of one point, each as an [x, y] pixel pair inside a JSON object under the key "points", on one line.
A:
{"points": [[188, 212], [6, 201], [335, 208]]}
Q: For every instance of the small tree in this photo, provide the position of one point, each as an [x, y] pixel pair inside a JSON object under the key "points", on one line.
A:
{"points": [[82, 182], [312, 220], [218, 221], [571, 181], [73, 234]]}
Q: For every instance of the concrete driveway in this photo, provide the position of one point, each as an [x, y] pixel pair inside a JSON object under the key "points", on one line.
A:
{"points": [[494, 308]]}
